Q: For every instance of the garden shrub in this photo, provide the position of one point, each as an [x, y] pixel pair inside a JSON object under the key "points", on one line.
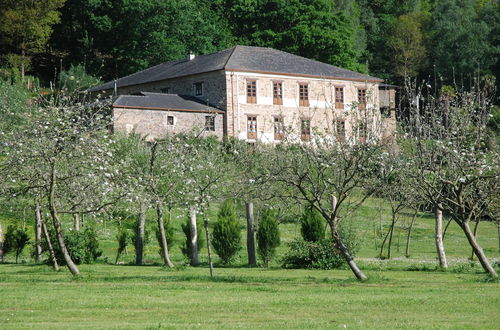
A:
{"points": [[227, 233], [268, 236], [16, 238], [322, 254], [312, 225], [83, 245], [123, 237]]}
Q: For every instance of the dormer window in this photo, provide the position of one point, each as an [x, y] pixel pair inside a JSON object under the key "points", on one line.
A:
{"points": [[198, 89], [251, 91], [303, 95]]}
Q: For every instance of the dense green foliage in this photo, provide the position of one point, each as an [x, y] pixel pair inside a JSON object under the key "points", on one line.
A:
{"points": [[83, 245], [312, 225], [447, 40], [268, 236], [15, 241], [320, 254], [227, 233]]}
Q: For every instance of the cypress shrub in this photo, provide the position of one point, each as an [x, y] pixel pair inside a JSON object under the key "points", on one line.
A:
{"points": [[312, 225], [268, 236], [227, 233], [16, 239]]}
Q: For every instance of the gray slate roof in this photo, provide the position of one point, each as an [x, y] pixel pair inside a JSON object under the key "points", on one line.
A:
{"points": [[161, 101], [238, 58]]}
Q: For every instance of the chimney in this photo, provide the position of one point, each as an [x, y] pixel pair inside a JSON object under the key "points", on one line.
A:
{"points": [[191, 56]]}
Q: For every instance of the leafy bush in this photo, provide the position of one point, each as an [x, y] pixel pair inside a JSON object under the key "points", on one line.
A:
{"points": [[77, 79], [322, 254], [227, 233], [83, 245], [15, 240], [312, 225], [186, 247], [268, 236]]}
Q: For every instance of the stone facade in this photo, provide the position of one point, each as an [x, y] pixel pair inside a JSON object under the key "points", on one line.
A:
{"points": [[157, 124], [322, 111], [227, 90]]}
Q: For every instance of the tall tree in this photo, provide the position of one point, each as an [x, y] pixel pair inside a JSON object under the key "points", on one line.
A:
{"points": [[408, 43], [115, 38], [315, 29], [460, 43], [25, 28]]}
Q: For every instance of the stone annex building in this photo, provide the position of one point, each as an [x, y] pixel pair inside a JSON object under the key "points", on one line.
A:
{"points": [[254, 94]]}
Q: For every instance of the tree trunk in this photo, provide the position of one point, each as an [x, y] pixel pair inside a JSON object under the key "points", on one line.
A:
{"points": [[391, 233], [408, 238], [38, 231], [383, 243], [193, 229], [446, 228], [341, 246], [140, 235], [439, 236], [57, 224], [164, 245], [52, 254], [498, 230], [76, 222], [252, 260], [1, 244], [476, 227], [205, 221], [478, 250]]}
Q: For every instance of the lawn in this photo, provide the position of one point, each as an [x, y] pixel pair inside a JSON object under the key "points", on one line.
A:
{"points": [[402, 292], [152, 297]]}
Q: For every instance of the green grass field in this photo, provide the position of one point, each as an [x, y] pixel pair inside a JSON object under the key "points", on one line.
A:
{"points": [[402, 292]]}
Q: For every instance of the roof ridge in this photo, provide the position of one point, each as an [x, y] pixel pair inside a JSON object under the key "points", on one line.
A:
{"points": [[230, 55]]}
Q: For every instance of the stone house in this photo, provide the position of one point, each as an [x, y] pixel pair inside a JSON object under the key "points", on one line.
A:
{"points": [[252, 93]]}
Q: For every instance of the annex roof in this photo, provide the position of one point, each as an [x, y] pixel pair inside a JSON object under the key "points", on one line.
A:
{"points": [[239, 58], [160, 101]]}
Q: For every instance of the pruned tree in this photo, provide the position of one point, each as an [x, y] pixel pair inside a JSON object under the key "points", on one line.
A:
{"points": [[204, 173], [63, 151], [333, 177], [454, 167]]}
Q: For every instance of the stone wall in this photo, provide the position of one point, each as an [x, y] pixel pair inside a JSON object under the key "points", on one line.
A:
{"points": [[154, 124]]}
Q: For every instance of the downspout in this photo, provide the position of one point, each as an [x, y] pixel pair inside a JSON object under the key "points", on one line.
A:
{"points": [[237, 104], [232, 98]]}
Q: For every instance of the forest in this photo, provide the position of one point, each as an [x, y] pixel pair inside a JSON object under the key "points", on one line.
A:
{"points": [[438, 40]]}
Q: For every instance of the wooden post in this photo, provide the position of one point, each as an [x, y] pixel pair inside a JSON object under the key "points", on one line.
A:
{"points": [[1, 244], [140, 235], [252, 260]]}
